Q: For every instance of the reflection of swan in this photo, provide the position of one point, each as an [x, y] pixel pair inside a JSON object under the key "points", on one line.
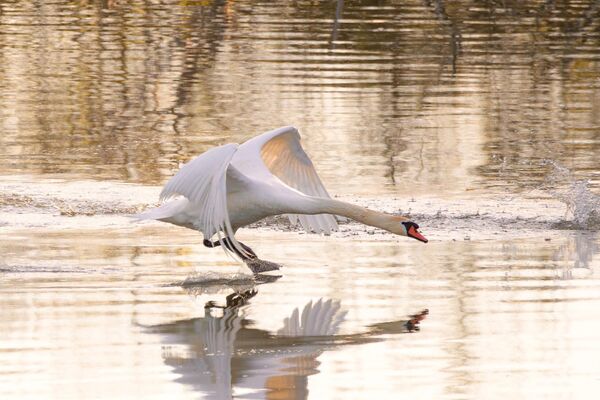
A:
{"points": [[232, 186], [207, 366], [320, 319], [224, 354]]}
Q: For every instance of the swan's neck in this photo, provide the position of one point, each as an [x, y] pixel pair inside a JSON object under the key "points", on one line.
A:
{"points": [[391, 223]]}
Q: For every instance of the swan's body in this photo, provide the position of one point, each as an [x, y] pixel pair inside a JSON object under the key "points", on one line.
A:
{"points": [[232, 186]]}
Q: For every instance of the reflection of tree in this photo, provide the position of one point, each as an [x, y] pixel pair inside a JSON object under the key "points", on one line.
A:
{"points": [[111, 86], [533, 86], [129, 89], [197, 57], [224, 352], [455, 37], [336, 22]]}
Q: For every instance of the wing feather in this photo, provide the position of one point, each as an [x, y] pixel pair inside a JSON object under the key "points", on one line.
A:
{"points": [[203, 182], [283, 156]]}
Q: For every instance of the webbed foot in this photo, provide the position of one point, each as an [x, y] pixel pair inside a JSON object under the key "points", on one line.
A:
{"points": [[257, 265]]}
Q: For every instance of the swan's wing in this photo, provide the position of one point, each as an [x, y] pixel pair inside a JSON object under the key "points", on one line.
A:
{"points": [[279, 153], [202, 182]]}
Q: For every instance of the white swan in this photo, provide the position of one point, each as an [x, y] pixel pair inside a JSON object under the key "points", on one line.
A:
{"points": [[232, 186]]}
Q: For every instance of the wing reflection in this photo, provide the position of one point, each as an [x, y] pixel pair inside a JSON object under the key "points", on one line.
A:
{"points": [[320, 319], [221, 355]]}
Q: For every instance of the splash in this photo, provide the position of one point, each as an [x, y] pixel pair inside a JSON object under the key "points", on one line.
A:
{"points": [[583, 206]]}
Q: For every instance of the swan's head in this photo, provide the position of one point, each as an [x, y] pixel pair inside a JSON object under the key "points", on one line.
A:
{"points": [[411, 229]]}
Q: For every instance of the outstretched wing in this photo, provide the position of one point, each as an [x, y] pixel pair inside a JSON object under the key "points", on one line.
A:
{"points": [[279, 153], [202, 182]]}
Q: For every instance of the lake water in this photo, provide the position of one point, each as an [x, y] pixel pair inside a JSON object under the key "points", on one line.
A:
{"points": [[479, 119]]}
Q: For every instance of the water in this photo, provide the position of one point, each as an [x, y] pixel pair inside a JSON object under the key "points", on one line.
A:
{"points": [[479, 119], [583, 205]]}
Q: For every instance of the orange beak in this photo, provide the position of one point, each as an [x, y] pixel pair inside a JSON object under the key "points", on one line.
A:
{"points": [[414, 233]]}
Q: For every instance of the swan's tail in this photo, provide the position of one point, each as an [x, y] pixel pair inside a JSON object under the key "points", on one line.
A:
{"points": [[167, 210]]}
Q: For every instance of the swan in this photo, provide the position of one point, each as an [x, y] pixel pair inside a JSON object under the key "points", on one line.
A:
{"points": [[235, 185]]}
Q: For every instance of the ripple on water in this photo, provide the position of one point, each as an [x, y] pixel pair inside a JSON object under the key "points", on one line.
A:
{"points": [[440, 110]]}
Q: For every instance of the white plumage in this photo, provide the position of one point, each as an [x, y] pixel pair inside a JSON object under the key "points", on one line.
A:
{"points": [[202, 183], [232, 186]]}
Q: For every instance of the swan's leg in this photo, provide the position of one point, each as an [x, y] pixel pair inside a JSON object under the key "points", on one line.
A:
{"points": [[208, 243], [249, 250], [239, 299], [255, 264], [230, 246], [234, 300]]}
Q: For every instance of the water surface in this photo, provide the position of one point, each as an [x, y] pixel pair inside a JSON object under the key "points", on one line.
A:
{"points": [[480, 119]]}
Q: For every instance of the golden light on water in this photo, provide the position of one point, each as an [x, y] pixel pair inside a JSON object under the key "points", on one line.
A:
{"points": [[444, 110]]}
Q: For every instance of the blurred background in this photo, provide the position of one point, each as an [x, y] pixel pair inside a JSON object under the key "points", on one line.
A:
{"points": [[433, 94]]}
